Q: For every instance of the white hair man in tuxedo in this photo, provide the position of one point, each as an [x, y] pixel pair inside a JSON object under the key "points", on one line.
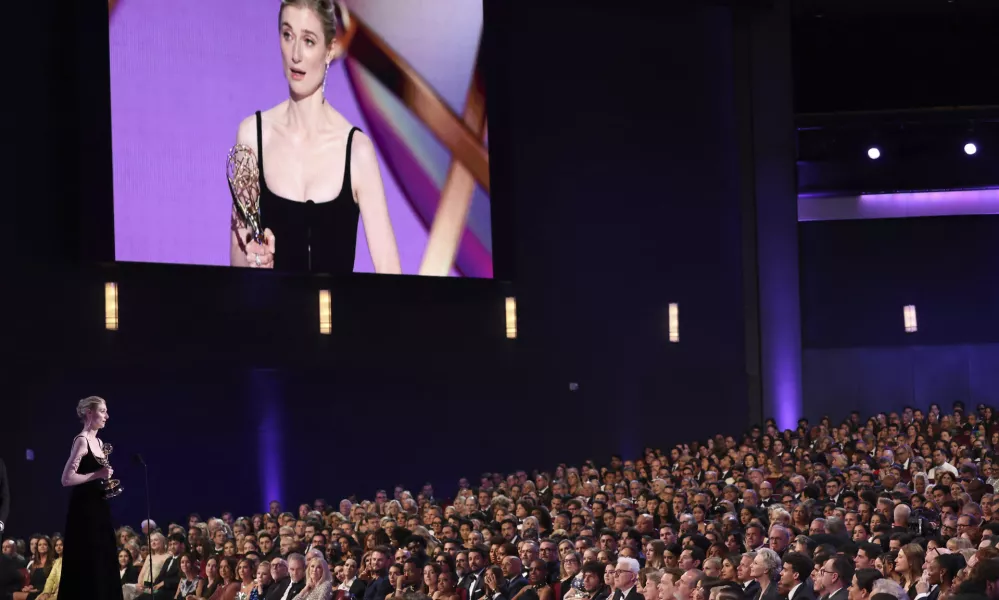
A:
{"points": [[626, 580]]}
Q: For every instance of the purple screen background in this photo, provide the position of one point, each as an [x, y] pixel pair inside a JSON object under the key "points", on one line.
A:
{"points": [[184, 73]]}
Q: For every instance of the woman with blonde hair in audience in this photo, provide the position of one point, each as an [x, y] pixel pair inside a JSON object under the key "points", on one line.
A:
{"points": [[573, 482], [392, 508], [136, 552], [318, 581], [778, 514], [151, 565]]}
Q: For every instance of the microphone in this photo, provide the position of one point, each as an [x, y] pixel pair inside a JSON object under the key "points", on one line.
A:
{"points": [[137, 458]]}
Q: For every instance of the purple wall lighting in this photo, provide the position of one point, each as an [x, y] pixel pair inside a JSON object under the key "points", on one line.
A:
{"points": [[899, 206], [264, 386]]}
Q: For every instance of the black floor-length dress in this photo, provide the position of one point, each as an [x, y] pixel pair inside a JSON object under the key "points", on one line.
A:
{"points": [[90, 558]]}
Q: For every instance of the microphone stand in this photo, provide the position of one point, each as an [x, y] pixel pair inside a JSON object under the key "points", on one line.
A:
{"points": [[149, 519]]}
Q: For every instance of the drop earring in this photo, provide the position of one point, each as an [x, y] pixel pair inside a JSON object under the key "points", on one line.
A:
{"points": [[325, 75]]}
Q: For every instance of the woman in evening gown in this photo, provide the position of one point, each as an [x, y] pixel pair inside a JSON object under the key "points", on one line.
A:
{"points": [[90, 564], [322, 173]]}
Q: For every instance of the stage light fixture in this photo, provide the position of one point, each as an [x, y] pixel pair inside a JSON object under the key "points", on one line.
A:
{"points": [[873, 153], [111, 306], [909, 318], [511, 318], [970, 148], [325, 312], [674, 323]]}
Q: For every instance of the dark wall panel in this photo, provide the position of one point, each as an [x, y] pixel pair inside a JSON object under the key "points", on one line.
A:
{"points": [[857, 275], [839, 380]]}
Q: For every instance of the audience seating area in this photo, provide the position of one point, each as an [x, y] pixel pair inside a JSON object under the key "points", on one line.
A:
{"points": [[898, 506]]}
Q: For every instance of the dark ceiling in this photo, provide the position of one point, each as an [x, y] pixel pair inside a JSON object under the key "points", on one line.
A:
{"points": [[888, 55]]}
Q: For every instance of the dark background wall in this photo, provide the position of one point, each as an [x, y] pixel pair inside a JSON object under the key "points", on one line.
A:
{"points": [[874, 379], [626, 181], [616, 182], [856, 277]]}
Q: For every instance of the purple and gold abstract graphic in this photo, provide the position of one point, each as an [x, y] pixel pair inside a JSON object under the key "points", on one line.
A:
{"points": [[184, 74]]}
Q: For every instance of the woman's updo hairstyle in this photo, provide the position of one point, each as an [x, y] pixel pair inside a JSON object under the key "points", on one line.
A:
{"points": [[332, 14], [89, 403]]}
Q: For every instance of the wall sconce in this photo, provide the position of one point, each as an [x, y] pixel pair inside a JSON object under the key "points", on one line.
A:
{"points": [[325, 312], [909, 318], [511, 318], [111, 306], [674, 323]]}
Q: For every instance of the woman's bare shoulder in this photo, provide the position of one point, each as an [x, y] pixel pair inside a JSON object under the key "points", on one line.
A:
{"points": [[362, 152], [247, 133]]}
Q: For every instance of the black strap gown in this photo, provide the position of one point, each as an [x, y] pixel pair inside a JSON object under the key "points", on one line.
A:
{"points": [[90, 558], [315, 236]]}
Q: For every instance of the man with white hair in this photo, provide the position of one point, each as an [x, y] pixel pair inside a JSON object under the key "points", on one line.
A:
{"points": [[150, 526], [626, 579], [901, 517], [780, 539], [887, 586]]}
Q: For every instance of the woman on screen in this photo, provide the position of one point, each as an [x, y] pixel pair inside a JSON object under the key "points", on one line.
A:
{"points": [[321, 172]]}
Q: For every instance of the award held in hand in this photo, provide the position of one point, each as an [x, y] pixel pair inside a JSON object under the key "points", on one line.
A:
{"points": [[112, 487], [244, 184]]}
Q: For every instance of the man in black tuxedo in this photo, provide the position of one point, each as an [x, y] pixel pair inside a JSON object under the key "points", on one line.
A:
{"points": [[626, 580], [837, 574], [794, 576], [750, 586], [166, 583], [279, 573], [380, 587], [296, 577], [477, 560], [544, 490], [4, 498], [513, 571], [352, 584], [268, 549]]}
